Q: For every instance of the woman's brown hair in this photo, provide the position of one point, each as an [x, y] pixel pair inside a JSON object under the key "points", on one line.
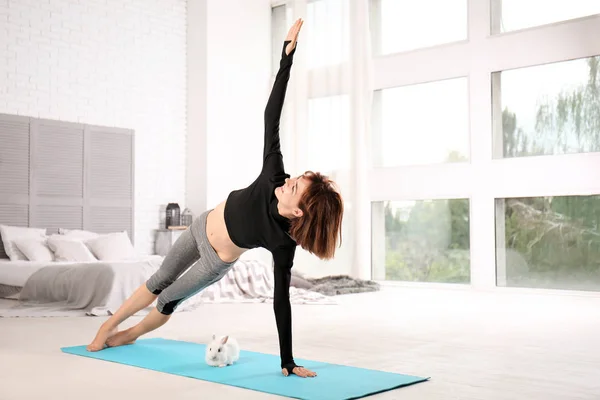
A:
{"points": [[322, 208]]}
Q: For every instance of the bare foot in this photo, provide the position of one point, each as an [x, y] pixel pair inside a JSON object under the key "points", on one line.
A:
{"points": [[102, 336], [121, 338]]}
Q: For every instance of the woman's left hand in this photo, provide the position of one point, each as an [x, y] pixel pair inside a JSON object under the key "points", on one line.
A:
{"points": [[300, 371], [292, 35]]}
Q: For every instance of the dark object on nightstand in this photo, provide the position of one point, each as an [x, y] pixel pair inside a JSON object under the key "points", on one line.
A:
{"points": [[173, 216]]}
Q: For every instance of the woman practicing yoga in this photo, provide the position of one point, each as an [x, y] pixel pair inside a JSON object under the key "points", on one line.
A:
{"points": [[275, 212]]}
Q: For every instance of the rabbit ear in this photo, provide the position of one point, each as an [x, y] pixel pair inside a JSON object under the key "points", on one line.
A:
{"points": [[224, 340]]}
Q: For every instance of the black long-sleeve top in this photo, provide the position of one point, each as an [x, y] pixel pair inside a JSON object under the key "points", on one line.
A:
{"points": [[252, 217]]}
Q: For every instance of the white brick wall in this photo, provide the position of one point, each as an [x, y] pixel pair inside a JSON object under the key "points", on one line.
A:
{"points": [[106, 62]]}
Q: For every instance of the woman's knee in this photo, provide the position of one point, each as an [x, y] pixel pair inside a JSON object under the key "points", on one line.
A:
{"points": [[167, 306]]}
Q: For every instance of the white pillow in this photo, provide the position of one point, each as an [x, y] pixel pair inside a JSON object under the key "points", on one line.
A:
{"points": [[34, 249], [69, 250], [112, 246], [11, 233], [77, 234]]}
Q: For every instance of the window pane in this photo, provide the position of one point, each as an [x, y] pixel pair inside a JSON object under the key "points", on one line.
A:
{"points": [[548, 109], [402, 25], [548, 242], [327, 34], [328, 133], [510, 15], [425, 241], [421, 124]]}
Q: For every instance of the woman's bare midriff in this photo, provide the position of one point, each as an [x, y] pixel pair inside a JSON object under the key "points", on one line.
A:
{"points": [[217, 234]]}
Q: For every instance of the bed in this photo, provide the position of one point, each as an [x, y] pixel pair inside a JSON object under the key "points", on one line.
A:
{"points": [[71, 288], [71, 272]]}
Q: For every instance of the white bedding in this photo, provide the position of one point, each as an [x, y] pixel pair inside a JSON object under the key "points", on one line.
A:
{"points": [[74, 288], [16, 273]]}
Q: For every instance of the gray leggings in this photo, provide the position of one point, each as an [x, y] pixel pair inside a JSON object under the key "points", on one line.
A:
{"points": [[192, 249]]}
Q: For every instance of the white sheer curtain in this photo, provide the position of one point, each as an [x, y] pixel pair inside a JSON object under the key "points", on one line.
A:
{"points": [[328, 116]]}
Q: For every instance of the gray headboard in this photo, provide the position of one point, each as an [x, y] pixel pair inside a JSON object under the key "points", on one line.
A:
{"points": [[56, 174]]}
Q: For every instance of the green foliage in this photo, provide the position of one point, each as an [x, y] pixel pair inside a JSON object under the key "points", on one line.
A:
{"points": [[430, 244], [558, 237]]}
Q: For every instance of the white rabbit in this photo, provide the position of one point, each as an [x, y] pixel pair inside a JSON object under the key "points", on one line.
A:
{"points": [[223, 351]]}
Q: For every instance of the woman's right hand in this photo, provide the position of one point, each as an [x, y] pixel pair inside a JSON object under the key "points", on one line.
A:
{"points": [[292, 35]]}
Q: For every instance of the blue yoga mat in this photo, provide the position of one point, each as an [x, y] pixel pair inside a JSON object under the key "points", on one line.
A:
{"points": [[254, 371]]}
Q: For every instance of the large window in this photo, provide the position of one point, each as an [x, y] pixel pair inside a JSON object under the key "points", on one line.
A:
{"points": [[404, 25], [511, 15], [423, 241], [548, 109], [549, 242], [467, 140], [405, 131]]}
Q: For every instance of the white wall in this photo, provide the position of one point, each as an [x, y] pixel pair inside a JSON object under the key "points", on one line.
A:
{"points": [[239, 71], [106, 62], [197, 80], [238, 76]]}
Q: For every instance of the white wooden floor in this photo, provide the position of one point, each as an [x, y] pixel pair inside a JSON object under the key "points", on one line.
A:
{"points": [[472, 345]]}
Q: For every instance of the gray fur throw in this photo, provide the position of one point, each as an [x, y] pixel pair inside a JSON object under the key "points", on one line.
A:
{"points": [[334, 285]]}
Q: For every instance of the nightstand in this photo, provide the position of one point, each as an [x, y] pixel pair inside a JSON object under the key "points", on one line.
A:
{"points": [[165, 238]]}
